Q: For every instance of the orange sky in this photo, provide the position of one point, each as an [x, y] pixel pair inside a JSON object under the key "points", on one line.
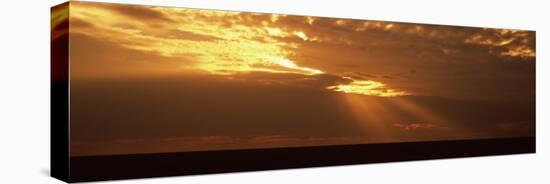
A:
{"points": [[179, 79]]}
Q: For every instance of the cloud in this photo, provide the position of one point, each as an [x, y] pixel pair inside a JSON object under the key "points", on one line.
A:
{"points": [[416, 126], [219, 51], [134, 12], [223, 80], [181, 35], [513, 43], [203, 143], [108, 60], [227, 43], [367, 87], [271, 138]]}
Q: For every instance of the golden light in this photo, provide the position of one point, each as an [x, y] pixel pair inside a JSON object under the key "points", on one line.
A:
{"points": [[388, 27], [214, 48], [310, 20], [274, 17], [367, 87], [521, 51], [273, 31], [291, 65], [301, 34], [341, 22]]}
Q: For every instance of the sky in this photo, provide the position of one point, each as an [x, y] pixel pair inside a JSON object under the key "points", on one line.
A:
{"points": [[160, 79]]}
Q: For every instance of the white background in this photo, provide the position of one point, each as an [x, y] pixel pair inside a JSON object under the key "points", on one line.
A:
{"points": [[24, 91]]}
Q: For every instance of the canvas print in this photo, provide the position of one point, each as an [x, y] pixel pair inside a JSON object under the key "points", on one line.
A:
{"points": [[143, 91]]}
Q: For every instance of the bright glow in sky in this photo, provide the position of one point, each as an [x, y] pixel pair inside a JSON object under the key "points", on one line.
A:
{"points": [[230, 80], [227, 43], [367, 87]]}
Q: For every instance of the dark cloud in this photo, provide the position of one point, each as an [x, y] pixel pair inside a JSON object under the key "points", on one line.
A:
{"points": [[366, 33], [316, 82], [107, 60], [443, 67]]}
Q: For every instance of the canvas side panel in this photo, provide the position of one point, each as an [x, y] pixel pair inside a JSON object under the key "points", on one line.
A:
{"points": [[59, 124]]}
